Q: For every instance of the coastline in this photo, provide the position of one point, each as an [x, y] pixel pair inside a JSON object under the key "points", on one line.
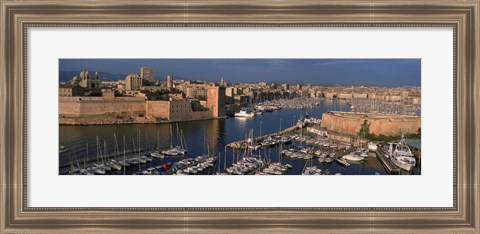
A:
{"points": [[86, 122]]}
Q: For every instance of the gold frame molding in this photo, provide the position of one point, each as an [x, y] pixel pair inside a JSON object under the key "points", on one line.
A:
{"points": [[17, 16]]}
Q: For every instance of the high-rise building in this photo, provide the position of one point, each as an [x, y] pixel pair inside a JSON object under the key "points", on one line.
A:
{"points": [[147, 73], [133, 82], [286, 86], [216, 101], [170, 82]]}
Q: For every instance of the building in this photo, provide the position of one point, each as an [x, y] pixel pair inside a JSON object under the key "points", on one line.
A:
{"points": [[86, 81], [286, 86], [216, 101], [147, 73], [170, 82], [262, 84], [70, 90], [133, 82], [222, 83], [360, 95], [243, 98], [345, 96], [229, 92], [196, 92]]}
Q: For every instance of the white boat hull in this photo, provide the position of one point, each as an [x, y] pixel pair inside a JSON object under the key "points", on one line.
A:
{"points": [[404, 166], [352, 158], [372, 147], [244, 115]]}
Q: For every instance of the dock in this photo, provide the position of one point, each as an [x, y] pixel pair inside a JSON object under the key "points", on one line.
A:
{"points": [[171, 171], [387, 164], [241, 144]]}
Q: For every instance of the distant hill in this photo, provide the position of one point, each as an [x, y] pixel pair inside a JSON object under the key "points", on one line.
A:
{"points": [[65, 76]]}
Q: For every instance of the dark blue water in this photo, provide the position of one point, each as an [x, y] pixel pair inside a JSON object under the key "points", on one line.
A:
{"points": [[200, 137]]}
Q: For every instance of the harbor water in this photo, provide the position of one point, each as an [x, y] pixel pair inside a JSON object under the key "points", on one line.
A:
{"points": [[83, 144]]}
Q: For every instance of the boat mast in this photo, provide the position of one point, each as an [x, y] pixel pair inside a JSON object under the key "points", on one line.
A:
{"points": [[98, 161], [84, 161], [171, 137], [158, 140], [139, 146], [179, 140], [184, 141], [225, 159], [116, 146], [124, 162], [105, 149]]}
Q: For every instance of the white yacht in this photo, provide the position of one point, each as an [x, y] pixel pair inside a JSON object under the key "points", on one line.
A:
{"points": [[171, 152], [157, 155], [342, 162], [245, 114], [402, 156], [372, 146], [352, 157]]}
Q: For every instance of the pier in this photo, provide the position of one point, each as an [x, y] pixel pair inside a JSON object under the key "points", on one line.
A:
{"points": [[244, 144], [88, 162], [387, 164], [193, 163]]}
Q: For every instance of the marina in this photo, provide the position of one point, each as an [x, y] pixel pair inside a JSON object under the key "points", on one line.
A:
{"points": [[231, 146]]}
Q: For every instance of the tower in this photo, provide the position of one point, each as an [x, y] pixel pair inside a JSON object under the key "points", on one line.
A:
{"points": [[147, 73], [216, 101], [170, 82], [133, 82], [84, 78], [222, 83]]}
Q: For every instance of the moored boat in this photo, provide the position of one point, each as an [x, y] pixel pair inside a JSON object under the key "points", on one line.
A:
{"points": [[245, 114], [342, 162]]}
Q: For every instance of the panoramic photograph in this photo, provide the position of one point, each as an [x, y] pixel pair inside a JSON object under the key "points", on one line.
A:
{"points": [[239, 117]]}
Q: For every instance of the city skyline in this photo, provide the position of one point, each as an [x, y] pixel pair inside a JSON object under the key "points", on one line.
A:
{"points": [[357, 72]]}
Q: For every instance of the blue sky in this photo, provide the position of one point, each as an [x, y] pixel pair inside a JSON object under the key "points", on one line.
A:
{"points": [[377, 72]]}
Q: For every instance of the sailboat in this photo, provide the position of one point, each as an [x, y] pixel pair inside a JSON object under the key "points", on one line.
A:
{"points": [[112, 163], [101, 166], [173, 151], [311, 170], [182, 147]]}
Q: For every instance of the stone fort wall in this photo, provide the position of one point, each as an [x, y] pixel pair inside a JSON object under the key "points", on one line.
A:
{"points": [[98, 106], [99, 110], [350, 123]]}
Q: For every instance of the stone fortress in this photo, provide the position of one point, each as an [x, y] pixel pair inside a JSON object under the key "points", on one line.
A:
{"points": [[349, 123], [108, 108]]}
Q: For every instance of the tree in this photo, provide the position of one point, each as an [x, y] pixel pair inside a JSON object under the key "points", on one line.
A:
{"points": [[364, 129]]}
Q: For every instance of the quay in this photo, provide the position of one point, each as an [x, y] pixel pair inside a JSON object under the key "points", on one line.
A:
{"points": [[89, 162], [260, 168], [387, 164], [173, 169], [241, 144]]}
